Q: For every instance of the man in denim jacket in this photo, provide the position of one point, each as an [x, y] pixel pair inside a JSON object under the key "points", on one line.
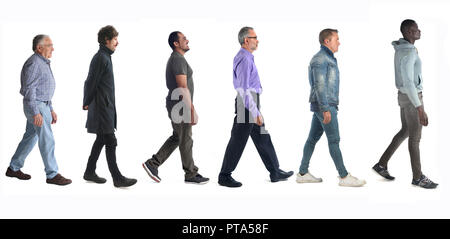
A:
{"points": [[408, 80], [324, 99]]}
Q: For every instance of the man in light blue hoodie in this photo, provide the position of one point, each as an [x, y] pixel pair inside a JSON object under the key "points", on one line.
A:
{"points": [[408, 80]]}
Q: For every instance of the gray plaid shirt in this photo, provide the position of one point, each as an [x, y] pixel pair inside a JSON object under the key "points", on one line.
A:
{"points": [[37, 82]]}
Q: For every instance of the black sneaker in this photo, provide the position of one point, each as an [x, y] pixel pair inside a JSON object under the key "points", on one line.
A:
{"points": [[424, 182], [93, 178], [198, 179], [151, 171], [382, 171], [228, 181]]}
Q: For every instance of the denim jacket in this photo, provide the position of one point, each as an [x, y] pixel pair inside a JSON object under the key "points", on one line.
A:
{"points": [[324, 80]]}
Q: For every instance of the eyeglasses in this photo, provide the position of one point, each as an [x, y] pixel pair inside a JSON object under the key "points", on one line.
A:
{"points": [[256, 38]]}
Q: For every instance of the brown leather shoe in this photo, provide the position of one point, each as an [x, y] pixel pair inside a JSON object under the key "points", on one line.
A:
{"points": [[19, 174], [59, 180]]}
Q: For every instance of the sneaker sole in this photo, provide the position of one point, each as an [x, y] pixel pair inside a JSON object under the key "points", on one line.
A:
{"points": [[424, 187], [308, 181], [390, 179], [196, 183], [150, 174], [353, 186]]}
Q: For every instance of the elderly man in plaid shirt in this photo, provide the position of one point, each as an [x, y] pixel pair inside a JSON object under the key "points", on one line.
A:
{"points": [[37, 88]]}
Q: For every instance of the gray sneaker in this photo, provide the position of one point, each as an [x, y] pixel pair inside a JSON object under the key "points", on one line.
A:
{"points": [[424, 182], [198, 179]]}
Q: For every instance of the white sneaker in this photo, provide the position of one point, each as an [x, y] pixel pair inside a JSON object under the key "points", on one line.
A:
{"points": [[350, 181], [307, 178]]}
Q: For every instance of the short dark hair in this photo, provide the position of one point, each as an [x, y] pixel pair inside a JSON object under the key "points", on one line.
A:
{"points": [[106, 33], [325, 34], [173, 37], [38, 40], [406, 24]]}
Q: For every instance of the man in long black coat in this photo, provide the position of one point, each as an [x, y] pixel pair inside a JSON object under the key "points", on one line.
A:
{"points": [[99, 100]]}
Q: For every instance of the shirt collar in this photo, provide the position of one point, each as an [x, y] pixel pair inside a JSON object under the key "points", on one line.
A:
{"points": [[42, 57], [246, 53], [327, 50]]}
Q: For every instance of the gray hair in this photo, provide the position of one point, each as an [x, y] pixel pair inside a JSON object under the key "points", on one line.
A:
{"points": [[38, 40], [243, 33]]}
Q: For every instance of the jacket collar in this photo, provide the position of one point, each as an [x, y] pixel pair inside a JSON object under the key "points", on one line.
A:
{"points": [[328, 51], [106, 49]]}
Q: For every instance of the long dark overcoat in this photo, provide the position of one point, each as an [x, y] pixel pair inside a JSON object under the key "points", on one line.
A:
{"points": [[99, 94]]}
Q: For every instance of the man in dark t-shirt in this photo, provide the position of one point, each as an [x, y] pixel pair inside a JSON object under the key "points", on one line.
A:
{"points": [[181, 111], [176, 66]]}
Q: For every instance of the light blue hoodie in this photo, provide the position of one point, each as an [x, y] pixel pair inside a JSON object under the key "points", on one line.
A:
{"points": [[408, 70]]}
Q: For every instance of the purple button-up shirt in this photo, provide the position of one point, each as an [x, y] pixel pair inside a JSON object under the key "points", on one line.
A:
{"points": [[37, 82], [246, 79]]}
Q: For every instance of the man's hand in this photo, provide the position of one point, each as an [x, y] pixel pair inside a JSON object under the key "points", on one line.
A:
{"points": [[326, 117], [423, 117], [194, 116], [54, 117], [86, 107], [259, 120], [38, 120]]}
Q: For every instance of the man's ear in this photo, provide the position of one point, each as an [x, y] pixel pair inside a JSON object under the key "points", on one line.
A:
{"points": [[39, 48]]}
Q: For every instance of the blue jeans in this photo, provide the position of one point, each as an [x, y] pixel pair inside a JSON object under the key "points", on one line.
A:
{"points": [[33, 134], [332, 131]]}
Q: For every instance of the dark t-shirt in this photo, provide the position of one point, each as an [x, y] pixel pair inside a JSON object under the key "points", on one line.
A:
{"points": [[177, 65]]}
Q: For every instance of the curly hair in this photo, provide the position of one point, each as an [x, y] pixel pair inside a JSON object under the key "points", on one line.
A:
{"points": [[106, 33]]}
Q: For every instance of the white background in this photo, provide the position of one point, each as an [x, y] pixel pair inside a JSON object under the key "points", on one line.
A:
{"points": [[288, 34]]}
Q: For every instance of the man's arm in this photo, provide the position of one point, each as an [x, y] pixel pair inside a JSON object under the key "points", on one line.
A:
{"points": [[182, 84], [407, 72], [242, 87], [29, 84], [96, 69], [319, 72]]}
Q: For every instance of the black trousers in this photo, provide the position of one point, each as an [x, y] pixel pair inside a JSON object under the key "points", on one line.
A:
{"points": [[110, 143], [239, 136]]}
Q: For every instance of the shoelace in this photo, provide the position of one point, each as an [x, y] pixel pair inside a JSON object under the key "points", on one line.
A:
{"points": [[426, 180]]}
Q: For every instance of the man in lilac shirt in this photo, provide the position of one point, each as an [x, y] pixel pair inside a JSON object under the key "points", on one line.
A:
{"points": [[37, 88], [248, 120]]}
